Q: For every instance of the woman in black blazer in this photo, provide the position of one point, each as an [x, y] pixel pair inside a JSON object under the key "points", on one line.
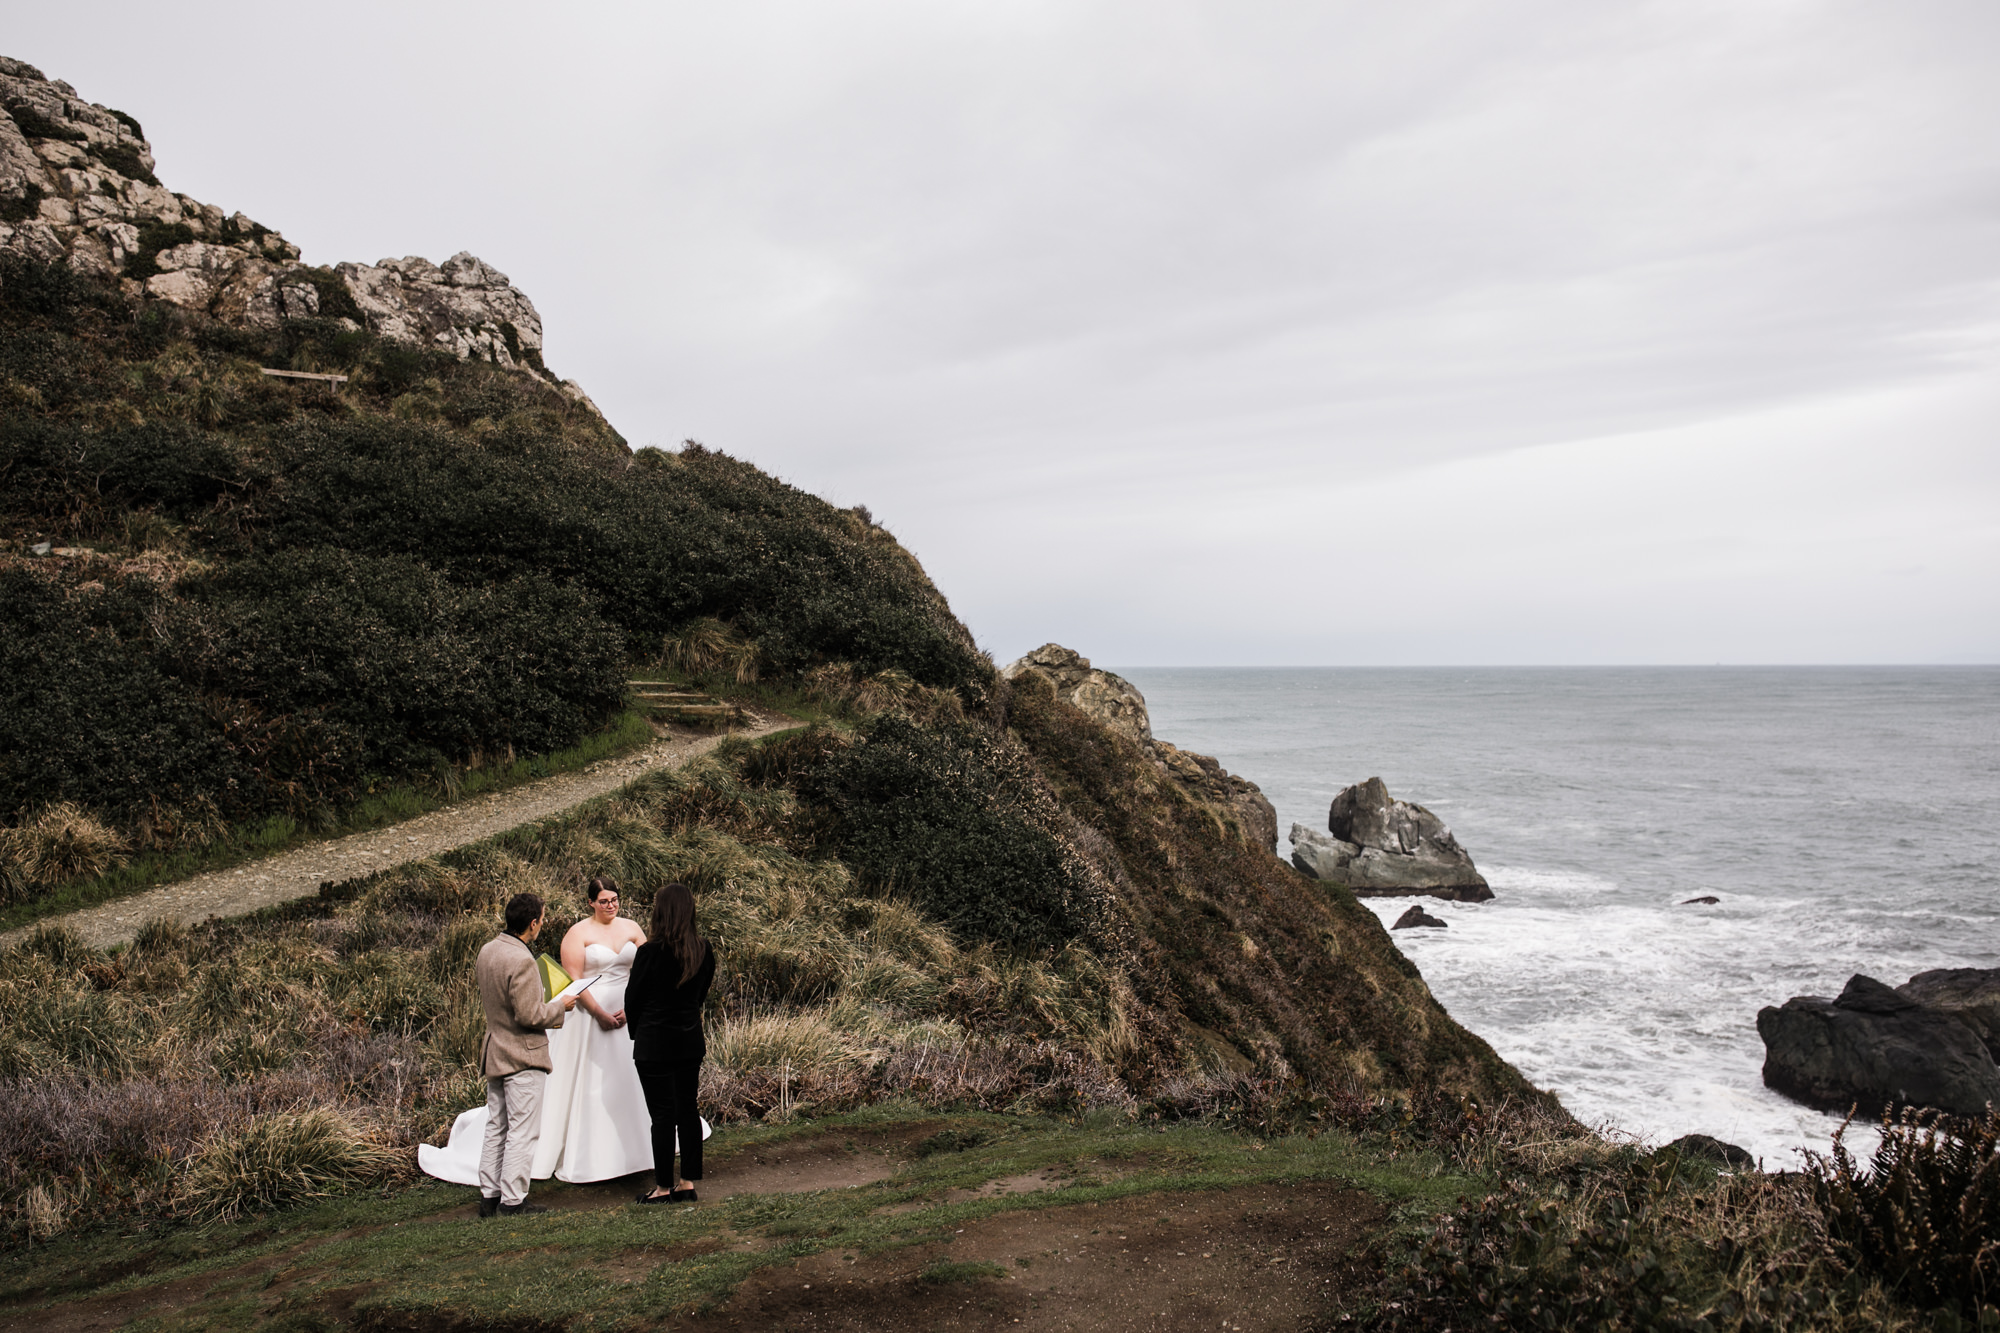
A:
{"points": [[671, 975]]}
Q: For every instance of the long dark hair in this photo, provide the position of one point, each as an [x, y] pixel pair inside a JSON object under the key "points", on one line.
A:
{"points": [[674, 929]]}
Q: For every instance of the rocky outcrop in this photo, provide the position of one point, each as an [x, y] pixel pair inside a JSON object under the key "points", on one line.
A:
{"points": [[1116, 702], [1875, 1049], [1108, 698], [1713, 1151], [1415, 917], [1969, 994], [1378, 846], [77, 187]]}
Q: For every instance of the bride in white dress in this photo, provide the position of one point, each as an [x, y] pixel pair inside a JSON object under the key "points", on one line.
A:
{"points": [[595, 1125]]}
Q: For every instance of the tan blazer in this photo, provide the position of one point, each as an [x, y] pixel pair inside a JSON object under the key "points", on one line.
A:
{"points": [[510, 988]]}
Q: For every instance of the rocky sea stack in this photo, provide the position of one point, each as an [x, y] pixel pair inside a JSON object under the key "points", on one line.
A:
{"points": [[1378, 846], [1874, 1048]]}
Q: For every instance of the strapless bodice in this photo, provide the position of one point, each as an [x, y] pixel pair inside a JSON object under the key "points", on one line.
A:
{"points": [[612, 964]]}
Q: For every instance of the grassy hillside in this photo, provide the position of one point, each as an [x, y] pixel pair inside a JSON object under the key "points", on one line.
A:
{"points": [[263, 595]]}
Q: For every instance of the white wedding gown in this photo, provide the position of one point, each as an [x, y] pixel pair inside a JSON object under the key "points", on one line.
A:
{"points": [[594, 1120]]}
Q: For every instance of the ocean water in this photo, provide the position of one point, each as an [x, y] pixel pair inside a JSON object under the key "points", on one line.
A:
{"points": [[1848, 818]]}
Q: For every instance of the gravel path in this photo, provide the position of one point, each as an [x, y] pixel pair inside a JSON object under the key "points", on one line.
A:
{"points": [[299, 873]]}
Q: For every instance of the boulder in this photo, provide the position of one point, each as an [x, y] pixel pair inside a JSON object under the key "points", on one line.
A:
{"points": [[1714, 1151], [1378, 846], [1116, 703], [1969, 994], [1875, 1049], [1416, 916], [465, 306]]}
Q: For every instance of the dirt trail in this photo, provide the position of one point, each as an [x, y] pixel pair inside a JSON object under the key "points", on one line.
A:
{"points": [[300, 872]]}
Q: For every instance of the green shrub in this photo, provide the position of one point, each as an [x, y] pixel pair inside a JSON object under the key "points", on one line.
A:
{"points": [[335, 301], [124, 159], [658, 546], [35, 125], [398, 661], [946, 817], [1621, 1260], [154, 237], [1924, 1216], [86, 713], [20, 207]]}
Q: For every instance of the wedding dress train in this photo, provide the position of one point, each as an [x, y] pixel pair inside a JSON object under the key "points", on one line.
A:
{"points": [[594, 1120]]}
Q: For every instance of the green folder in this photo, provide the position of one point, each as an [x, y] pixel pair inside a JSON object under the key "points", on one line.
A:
{"points": [[553, 976]]}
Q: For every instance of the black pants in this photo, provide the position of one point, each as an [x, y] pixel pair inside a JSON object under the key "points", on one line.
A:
{"points": [[669, 1090]]}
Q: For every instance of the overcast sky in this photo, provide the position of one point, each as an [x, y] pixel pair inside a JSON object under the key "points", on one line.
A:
{"points": [[1565, 332]]}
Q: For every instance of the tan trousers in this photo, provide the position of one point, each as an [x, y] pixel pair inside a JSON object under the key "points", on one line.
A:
{"points": [[513, 1123]]}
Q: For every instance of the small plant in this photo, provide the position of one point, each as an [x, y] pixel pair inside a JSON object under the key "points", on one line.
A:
{"points": [[1925, 1215], [951, 1140], [942, 1271]]}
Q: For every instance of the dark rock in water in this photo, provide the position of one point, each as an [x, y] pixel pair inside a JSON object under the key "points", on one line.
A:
{"points": [[1416, 916], [1875, 1049], [1969, 994], [1707, 898], [1379, 846], [1712, 1150]]}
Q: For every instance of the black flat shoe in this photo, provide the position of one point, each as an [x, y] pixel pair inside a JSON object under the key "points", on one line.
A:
{"points": [[489, 1207], [650, 1197], [682, 1196], [514, 1209]]}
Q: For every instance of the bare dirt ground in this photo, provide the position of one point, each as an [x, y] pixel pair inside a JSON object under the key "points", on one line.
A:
{"points": [[1254, 1258], [299, 873]]}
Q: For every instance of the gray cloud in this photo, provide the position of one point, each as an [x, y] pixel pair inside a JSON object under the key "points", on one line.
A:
{"points": [[1190, 306]]}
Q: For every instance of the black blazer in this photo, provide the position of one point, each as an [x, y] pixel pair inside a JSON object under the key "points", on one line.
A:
{"points": [[665, 1015]]}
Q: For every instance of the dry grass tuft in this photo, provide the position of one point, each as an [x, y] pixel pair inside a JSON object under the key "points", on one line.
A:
{"points": [[707, 647], [846, 688], [283, 1159], [61, 842]]}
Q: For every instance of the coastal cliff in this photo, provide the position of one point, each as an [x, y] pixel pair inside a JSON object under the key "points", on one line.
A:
{"points": [[248, 603]]}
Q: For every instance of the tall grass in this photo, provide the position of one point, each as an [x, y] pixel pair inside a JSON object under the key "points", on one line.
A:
{"points": [[190, 1074], [59, 842]]}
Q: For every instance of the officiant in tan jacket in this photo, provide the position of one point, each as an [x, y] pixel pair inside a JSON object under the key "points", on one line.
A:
{"points": [[514, 1057]]}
